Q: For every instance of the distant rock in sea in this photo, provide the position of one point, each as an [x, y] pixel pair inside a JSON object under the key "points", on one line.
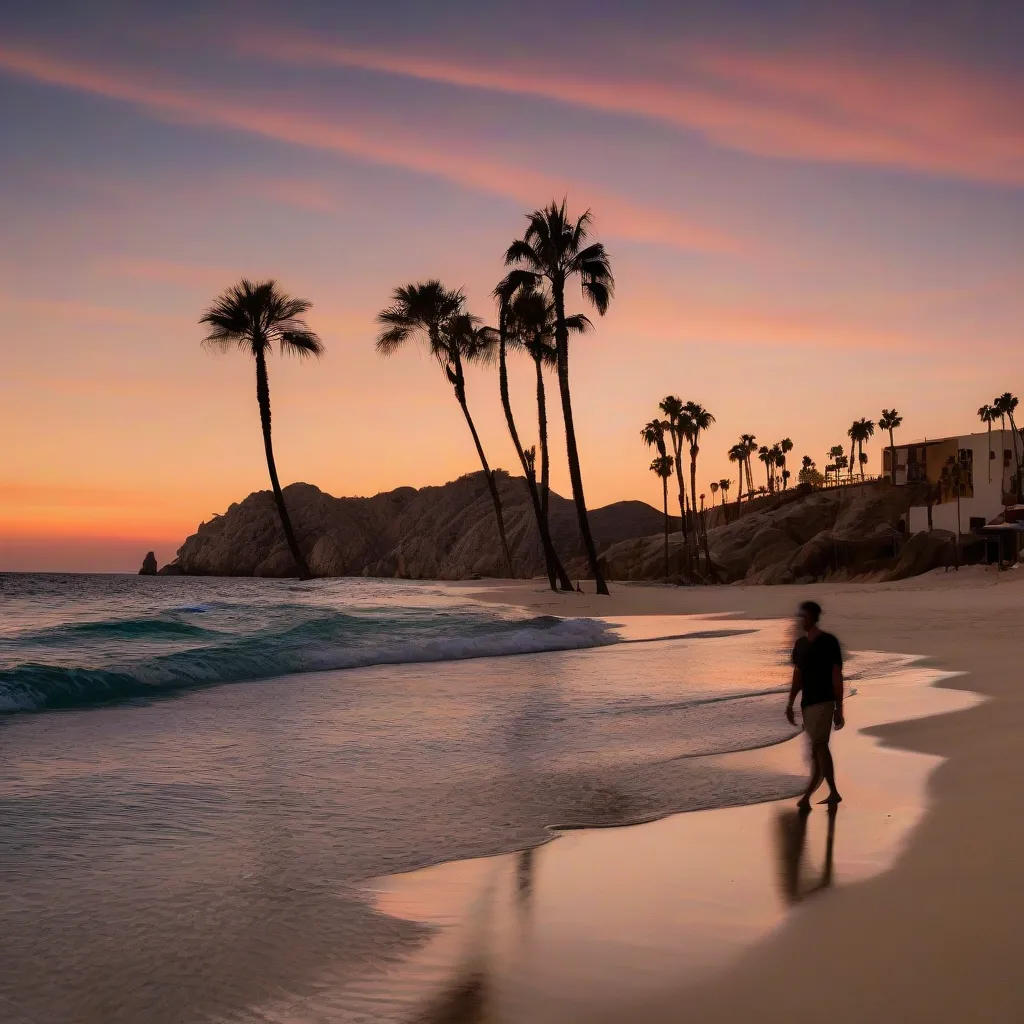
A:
{"points": [[445, 532], [148, 565]]}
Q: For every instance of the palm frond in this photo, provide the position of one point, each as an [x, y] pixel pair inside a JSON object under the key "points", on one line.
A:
{"points": [[577, 323], [301, 342], [522, 252]]}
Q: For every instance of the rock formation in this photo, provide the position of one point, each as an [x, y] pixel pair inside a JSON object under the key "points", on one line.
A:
{"points": [[148, 565], [445, 532]]}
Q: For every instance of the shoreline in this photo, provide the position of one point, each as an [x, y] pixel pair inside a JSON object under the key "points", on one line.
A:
{"points": [[714, 916], [933, 937]]}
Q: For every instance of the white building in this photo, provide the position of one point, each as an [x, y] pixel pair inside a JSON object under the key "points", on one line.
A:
{"points": [[970, 482]]}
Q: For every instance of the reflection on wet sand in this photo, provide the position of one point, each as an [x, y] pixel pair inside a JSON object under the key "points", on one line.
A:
{"points": [[792, 840]]}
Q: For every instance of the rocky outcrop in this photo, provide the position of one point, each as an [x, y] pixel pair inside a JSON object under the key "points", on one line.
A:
{"points": [[148, 565], [796, 537], [923, 552], [445, 532]]}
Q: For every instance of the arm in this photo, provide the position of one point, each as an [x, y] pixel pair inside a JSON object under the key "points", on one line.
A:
{"points": [[837, 690], [796, 686]]}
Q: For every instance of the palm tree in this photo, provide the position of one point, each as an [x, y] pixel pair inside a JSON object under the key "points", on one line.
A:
{"points": [[780, 463], [738, 454], [890, 420], [725, 483], [662, 467], [987, 414], [749, 443], [253, 316], [554, 247], [674, 409], [865, 431], [518, 285], [698, 420], [785, 446], [852, 433], [767, 456], [430, 311], [1005, 405], [835, 453], [714, 485]]}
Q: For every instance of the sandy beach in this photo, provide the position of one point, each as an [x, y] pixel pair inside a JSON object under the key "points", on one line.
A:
{"points": [[934, 937]]}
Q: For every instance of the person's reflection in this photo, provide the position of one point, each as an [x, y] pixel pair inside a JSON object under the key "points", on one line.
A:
{"points": [[524, 878], [792, 839]]}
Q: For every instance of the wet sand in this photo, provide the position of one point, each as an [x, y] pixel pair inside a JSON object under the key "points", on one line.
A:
{"points": [[935, 937], [602, 920]]}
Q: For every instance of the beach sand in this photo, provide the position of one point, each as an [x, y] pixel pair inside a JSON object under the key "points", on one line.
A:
{"points": [[934, 937]]}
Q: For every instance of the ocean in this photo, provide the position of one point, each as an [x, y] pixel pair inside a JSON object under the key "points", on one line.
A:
{"points": [[197, 775]]}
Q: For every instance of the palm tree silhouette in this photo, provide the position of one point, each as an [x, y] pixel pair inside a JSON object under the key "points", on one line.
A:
{"points": [[738, 454], [725, 483], [988, 415], [662, 467], [430, 311], [749, 443], [713, 486], [852, 433], [865, 431], [698, 420], [890, 420], [253, 316], [767, 456], [554, 247], [1005, 405], [672, 407], [836, 453], [513, 329], [785, 446]]}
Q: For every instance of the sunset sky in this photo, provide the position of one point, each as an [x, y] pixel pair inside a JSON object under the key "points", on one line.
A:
{"points": [[811, 215]]}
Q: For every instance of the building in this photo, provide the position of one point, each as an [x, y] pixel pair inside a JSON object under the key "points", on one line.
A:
{"points": [[969, 486]]}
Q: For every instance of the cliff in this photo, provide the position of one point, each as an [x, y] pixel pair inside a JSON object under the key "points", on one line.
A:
{"points": [[445, 532]]}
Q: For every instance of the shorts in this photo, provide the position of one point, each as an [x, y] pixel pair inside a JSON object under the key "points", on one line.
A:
{"points": [[818, 721]]}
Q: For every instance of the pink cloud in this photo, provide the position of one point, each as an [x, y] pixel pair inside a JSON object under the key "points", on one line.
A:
{"points": [[462, 166], [905, 114]]}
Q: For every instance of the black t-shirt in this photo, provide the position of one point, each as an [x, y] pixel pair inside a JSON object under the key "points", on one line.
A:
{"points": [[815, 659]]}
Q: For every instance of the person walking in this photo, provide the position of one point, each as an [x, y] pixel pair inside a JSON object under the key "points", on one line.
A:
{"points": [[818, 678]]}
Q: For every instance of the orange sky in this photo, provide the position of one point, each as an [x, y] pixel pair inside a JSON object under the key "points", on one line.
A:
{"points": [[809, 219]]}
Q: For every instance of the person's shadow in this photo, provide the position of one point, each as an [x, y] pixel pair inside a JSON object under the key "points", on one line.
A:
{"points": [[792, 840]]}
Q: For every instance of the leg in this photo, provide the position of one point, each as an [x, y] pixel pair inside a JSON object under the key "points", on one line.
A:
{"points": [[828, 770], [817, 777]]}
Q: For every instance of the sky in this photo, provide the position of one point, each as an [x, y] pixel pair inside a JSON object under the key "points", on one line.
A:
{"points": [[813, 211]]}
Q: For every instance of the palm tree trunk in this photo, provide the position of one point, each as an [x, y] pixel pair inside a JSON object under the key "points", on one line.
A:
{"points": [[555, 571], [664, 489], [892, 459], [459, 384], [1016, 458], [677, 460], [575, 476], [263, 397], [860, 458], [989, 451], [542, 430], [693, 498]]}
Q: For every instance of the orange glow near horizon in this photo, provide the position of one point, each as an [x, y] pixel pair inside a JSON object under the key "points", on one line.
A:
{"points": [[802, 234]]}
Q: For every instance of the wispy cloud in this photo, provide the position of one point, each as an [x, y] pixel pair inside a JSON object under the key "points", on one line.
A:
{"points": [[908, 114], [460, 165]]}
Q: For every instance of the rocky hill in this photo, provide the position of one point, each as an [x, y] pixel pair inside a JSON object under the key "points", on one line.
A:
{"points": [[445, 532], [798, 537]]}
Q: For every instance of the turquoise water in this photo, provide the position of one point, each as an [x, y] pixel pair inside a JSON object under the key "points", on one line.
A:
{"points": [[197, 776]]}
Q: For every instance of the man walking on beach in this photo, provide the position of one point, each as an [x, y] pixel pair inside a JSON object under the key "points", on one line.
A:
{"points": [[818, 676]]}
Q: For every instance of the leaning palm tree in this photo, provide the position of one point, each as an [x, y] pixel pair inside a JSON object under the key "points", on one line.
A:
{"points": [[890, 420], [431, 312], [515, 326], [662, 467], [698, 421], [253, 316], [555, 247], [988, 415]]}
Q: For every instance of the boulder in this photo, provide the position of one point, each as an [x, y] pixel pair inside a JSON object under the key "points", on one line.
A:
{"points": [[921, 553], [148, 565]]}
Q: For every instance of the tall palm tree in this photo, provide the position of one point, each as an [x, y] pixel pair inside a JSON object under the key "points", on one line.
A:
{"points": [[785, 446], [738, 454], [988, 415], [512, 329], [865, 431], [714, 485], [555, 247], [253, 316], [852, 433], [767, 456], [698, 421], [835, 453], [431, 312], [890, 420], [662, 467], [1005, 405], [749, 443], [673, 408], [725, 483]]}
